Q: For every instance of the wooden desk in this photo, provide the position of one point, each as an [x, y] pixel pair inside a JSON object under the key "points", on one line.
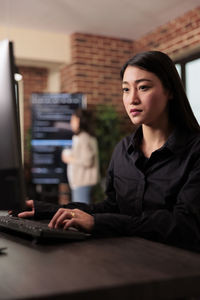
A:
{"points": [[114, 268]]}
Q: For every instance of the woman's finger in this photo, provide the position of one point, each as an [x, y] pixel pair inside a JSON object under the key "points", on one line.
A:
{"points": [[26, 214], [65, 215], [55, 217], [60, 216], [69, 223]]}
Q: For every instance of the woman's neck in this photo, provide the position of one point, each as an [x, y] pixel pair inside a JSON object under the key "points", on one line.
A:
{"points": [[154, 138]]}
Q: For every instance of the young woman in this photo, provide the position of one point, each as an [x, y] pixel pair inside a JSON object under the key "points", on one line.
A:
{"points": [[153, 180], [82, 159]]}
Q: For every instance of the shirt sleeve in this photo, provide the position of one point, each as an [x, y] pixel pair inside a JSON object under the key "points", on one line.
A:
{"points": [[46, 210], [180, 226]]}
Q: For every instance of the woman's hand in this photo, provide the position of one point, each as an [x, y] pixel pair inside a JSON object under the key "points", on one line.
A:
{"points": [[66, 156], [30, 210], [72, 218]]}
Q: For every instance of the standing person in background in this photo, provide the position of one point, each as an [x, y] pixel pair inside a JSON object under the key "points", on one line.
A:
{"points": [[82, 159]]}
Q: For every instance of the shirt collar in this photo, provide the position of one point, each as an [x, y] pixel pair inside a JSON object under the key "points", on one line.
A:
{"points": [[135, 140]]}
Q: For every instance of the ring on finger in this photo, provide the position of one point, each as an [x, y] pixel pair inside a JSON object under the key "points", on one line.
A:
{"points": [[73, 214]]}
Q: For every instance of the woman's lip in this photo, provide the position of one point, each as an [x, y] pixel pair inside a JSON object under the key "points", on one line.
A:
{"points": [[135, 110]]}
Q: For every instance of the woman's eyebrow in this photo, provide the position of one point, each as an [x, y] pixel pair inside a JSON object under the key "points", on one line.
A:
{"points": [[138, 80], [142, 79]]}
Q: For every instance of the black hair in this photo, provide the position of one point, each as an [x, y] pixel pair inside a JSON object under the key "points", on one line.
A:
{"points": [[159, 63], [86, 121]]}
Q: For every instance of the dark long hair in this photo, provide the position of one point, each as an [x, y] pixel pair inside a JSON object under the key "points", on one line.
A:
{"points": [[86, 121], [180, 112]]}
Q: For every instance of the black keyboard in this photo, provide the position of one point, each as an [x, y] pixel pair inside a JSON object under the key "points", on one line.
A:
{"points": [[39, 230]]}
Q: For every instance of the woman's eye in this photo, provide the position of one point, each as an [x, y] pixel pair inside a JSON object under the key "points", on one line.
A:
{"points": [[143, 87], [125, 89]]}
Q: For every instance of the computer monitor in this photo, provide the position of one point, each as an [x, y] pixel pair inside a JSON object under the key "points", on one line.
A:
{"points": [[12, 191]]}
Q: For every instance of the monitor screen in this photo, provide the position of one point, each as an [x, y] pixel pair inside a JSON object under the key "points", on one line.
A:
{"points": [[51, 133], [11, 170]]}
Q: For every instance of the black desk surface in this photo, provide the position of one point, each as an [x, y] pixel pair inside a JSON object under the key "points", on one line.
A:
{"points": [[114, 268]]}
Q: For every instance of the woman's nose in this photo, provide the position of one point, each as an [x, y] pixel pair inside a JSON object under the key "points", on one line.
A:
{"points": [[134, 97]]}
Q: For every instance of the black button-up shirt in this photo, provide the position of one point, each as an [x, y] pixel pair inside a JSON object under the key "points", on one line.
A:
{"points": [[156, 198]]}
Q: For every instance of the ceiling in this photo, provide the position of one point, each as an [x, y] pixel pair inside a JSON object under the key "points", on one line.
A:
{"points": [[129, 19]]}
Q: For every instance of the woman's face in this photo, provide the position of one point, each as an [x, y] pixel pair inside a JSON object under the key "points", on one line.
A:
{"points": [[75, 123], [145, 99]]}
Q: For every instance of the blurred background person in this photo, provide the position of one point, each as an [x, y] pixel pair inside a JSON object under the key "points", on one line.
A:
{"points": [[82, 159]]}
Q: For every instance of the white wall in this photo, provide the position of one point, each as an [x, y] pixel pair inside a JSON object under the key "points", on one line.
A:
{"points": [[40, 49], [38, 46]]}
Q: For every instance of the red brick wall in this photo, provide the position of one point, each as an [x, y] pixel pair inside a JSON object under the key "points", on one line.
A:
{"points": [[95, 67], [175, 37], [34, 81], [96, 60]]}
